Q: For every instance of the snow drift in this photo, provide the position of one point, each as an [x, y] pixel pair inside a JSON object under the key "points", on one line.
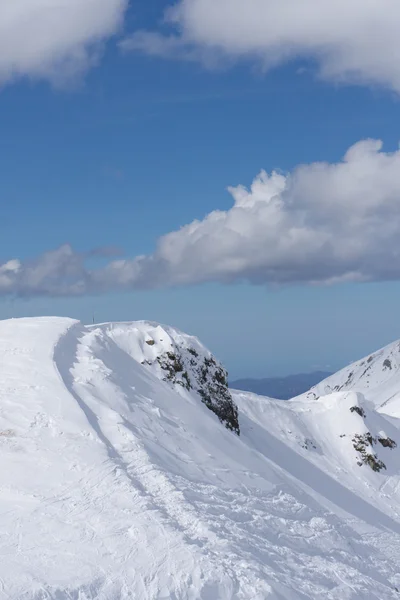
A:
{"points": [[123, 477]]}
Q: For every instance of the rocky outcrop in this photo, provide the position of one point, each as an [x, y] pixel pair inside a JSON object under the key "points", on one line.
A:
{"points": [[182, 361], [202, 374], [364, 444]]}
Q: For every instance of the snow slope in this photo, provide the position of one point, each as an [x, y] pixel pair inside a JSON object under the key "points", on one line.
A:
{"points": [[327, 433], [376, 376], [119, 483]]}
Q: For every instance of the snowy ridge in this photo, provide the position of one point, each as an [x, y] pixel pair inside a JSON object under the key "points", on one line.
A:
{"points": [[377, 376], [119, 485], [180, 359]]}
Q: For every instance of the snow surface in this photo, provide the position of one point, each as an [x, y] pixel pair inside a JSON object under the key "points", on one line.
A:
{"points": [[118, 485], [376, 376]]}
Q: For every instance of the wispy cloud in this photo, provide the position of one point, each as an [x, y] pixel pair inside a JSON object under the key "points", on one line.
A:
{"points": [[320, 224], [354, 41]]}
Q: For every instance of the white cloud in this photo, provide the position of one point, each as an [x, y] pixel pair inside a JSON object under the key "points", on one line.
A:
{"points": [[54, 39], [322, 223], [351, 40]]}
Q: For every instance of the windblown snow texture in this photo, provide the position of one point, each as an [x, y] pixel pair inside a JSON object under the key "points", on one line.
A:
{"points": [[118, 482]]}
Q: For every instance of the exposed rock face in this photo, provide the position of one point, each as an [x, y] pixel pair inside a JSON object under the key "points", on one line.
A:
{"points": [[359, 410], [202, 374], [364, 445], [387, 443], [182, 361]]}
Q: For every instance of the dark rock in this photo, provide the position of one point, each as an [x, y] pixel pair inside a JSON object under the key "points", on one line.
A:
{"points": [[186, 368], [387, 442], [360, 411], [361, 444]]}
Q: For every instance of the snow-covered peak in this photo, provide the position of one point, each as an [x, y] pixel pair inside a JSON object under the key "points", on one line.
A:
{"points": [[377, 377], [178, 359], [144, 341]]}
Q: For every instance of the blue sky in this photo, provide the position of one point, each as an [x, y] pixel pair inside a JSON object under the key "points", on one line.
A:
{"points": [[140, 146]]}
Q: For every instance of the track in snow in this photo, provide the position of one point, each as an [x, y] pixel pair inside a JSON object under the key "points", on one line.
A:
{"points": [[132, 490]]}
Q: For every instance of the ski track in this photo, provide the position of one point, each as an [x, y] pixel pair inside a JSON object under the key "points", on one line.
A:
{"points": [[160, 499], [143, 507]]}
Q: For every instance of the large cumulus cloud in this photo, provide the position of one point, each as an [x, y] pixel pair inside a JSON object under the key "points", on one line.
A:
{"points": [[56, 39], [320, 224]]}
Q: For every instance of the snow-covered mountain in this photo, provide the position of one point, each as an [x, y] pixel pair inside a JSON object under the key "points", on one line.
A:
{"points": [[377, 377], [130, 471]]}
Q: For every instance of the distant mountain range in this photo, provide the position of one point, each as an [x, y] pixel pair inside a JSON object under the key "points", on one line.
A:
{"points": [[282, 388]]}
